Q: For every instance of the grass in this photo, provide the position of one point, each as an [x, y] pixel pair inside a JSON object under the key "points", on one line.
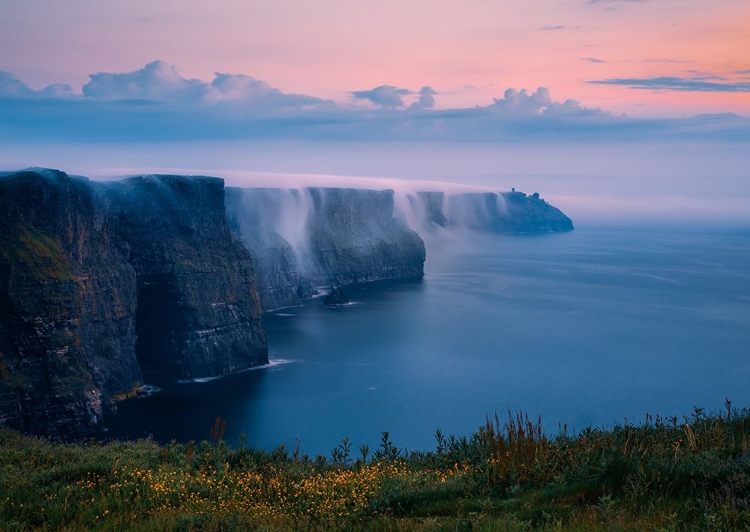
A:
{"points": [[662, 474]]}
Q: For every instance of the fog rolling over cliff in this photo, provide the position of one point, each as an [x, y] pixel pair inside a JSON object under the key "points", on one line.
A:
{"points": [[493, 212], [309, 237]]}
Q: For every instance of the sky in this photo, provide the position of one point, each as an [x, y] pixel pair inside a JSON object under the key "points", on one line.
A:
{"points": [[545, 93]]}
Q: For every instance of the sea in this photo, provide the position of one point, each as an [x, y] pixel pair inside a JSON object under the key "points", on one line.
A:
{"points": [[593, 328]]}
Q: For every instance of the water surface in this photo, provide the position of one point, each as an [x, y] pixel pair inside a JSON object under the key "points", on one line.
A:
{"points": [[591, 327]]}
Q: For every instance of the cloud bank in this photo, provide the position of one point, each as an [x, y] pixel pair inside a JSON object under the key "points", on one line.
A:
{"points": [[156, 103]]}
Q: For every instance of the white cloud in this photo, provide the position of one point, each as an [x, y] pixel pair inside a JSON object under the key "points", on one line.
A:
{"points": [[161, 82], [155, 81], [523, 103], [251, 91], [12, 88]]}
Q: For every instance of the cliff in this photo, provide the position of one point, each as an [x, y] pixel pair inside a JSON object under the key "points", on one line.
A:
{"points": [[198, 310], [506, 212], [98, 280], [67, 306], [322, 236], [531, 214]]}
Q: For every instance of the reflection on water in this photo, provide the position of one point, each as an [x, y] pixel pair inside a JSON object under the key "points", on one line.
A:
{"points": [[589, 327]]}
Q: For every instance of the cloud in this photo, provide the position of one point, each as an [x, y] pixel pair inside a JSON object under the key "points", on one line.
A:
{"points": [[155, 81], [676, 84], [559, 27], [592, 60], [157, 104], [741, 72], [12, 88], [57, 91], [426, 99], [160, 82], [384, 96], [657, 60], [522, 103], [253, 92]]}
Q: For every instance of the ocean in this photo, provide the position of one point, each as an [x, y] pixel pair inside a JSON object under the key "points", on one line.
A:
{"points": [[595, 327]]}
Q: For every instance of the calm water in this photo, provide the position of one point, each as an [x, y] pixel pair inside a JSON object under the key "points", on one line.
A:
{"points": [[588, 328]]}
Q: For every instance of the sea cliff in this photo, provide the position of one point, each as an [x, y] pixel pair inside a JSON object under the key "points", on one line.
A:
{"points": [[495, 212], [303, 238], [101, 280]]}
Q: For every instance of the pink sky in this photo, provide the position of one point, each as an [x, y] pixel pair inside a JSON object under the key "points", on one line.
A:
{"points": [[469, 52]]}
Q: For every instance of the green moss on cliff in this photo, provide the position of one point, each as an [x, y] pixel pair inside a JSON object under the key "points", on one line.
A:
{"points": [[31, 253]]}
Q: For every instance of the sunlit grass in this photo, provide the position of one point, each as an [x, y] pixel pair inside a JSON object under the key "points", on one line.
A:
{"points": [[664, 474]]}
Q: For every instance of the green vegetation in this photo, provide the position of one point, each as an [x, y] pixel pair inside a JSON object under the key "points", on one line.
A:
{"points": [[664, 474], [33, 253]]}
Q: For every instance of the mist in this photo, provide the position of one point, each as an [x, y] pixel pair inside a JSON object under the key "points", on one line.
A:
{"points": [[594, 184]]}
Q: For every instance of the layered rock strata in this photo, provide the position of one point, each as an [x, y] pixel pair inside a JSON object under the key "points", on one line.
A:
{"points": [[67, 306], [198, 309], [98, 280], [302, 238]]}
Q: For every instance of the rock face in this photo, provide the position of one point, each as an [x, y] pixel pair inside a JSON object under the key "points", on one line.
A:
{"points": [[531, 214], [259, 217], [335, 297], [67, 306], [198, 310], [506, 212], [98, 280], [322, 236]]}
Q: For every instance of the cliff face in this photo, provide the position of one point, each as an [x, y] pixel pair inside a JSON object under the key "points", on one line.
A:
{"points": [[531, 214], [354, 236], [97, 280], [198, 311], [67, 306], [321, 236], [507, 212], [259, 217]]}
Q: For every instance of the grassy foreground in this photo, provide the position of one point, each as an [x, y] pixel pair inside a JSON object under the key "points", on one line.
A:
{"points": [[664, 474]]}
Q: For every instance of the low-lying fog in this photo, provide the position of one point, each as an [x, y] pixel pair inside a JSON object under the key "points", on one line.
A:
{"points": [[595, 184]]}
